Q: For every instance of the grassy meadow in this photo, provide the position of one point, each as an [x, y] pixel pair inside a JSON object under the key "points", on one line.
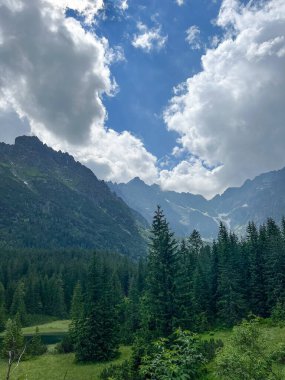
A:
{"points": [[273, 335], [55, 327], [53, 366]]}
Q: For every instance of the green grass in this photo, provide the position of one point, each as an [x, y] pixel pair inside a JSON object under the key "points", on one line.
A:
{"points": [[273, 336], [49, 328], [60, 367], [52, 366]]}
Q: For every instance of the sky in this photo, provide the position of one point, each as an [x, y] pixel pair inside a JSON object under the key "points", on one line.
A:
{"points": [[187, 94]]}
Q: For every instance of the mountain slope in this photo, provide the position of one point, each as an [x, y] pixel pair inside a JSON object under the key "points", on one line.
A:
{"points": [[255, 200], [184, 211], [47, 199]]}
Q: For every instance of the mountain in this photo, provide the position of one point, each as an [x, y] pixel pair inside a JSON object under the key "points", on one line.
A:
{"points": [[184, 211], [255, 200], [48, 200]]}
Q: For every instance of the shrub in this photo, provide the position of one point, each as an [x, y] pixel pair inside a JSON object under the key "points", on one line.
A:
{"points": [[65, 346]]}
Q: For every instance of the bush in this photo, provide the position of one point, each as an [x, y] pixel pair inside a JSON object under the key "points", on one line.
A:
{"points": [[210, 348], [279, 354], [182, 358], [278, 313], [245, 357], [36, 346], [65, 346], [118, 372]]}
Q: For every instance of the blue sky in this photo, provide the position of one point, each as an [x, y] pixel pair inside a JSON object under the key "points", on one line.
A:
{"points": [[146, 80], [187, 94]]}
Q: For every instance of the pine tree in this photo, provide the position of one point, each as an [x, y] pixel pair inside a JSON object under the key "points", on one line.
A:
{"points": [[255, 266], [2, 308], [200, 300], [214, 281], [186, 264], [97, 334], [76, 313], [32, 295], [160, 282], [13, 341], [36, 346], [275, 265], [18, 304], [231, 304]]}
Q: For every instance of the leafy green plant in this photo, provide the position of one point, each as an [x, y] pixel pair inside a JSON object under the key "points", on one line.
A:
{"points": [[278, 355], [36, 346], [182, 358], [245, 357]]}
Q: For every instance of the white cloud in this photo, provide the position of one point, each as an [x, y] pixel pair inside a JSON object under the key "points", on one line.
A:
{"points": [[111, 155], [149, 39], [180, 2], [124, 5], [87, 8], [51, 70], [193, 37], [192, 171], [53, 74], [233, 111]]}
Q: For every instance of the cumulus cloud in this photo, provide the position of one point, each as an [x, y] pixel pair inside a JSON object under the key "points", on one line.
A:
{"points": [[53, 75], [51, 70], [180, 2], [86, 8], [149, 39], [124, 5], [231, 114], [193, 37], [194, 172], [112, 156]]}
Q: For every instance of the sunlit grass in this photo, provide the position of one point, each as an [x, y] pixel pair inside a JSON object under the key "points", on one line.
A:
{"points": [[60, 326], [273, 335], [53, 366]]}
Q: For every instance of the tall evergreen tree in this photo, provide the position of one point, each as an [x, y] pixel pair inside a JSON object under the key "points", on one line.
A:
{"points": [[18, 304], [230, 295], [255, 267], [184, 287], [275, 265], [13, 343], [160, 282], [97, 335], [2, 308], [76, 313]]}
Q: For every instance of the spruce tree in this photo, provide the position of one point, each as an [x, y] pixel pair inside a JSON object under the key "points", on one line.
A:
{"points": [[160, 282], [2, 308], [36, 346], [13, 341], [18, 304], [76, 313], [231, 305], [256, 285], [186, 264], [275, 265], [97, 333]]}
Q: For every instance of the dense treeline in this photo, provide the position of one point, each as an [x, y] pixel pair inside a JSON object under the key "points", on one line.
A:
{"points": [[40, 283], [198, 286], [188, 284], [181, 286], [195, 286]]}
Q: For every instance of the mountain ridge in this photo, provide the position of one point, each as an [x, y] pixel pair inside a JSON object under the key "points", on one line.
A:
{"points": [[50, 200], [255, 200]]}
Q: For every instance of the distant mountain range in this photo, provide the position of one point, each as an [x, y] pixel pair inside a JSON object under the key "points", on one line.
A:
{"points": [[48, 200], [255, 200]]}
